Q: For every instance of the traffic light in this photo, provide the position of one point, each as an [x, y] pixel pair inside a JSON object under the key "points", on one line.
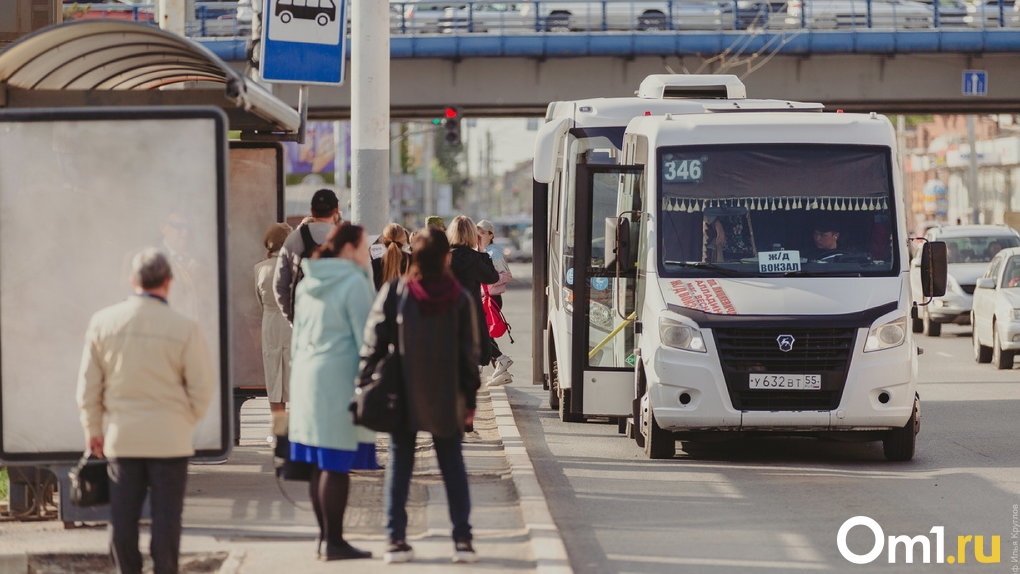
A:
{"points": [[452, 125]]}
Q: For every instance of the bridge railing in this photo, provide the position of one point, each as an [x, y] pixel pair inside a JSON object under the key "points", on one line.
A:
{"points": [[423, 17]]}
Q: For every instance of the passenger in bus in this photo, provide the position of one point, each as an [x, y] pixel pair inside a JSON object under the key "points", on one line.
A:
{"points": [[275, 327]]}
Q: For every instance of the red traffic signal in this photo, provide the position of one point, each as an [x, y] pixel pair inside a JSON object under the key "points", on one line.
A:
{"points": [[451, 113]]}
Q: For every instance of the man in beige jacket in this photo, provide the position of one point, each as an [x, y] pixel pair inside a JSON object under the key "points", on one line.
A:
{"points": [[146, 380]]}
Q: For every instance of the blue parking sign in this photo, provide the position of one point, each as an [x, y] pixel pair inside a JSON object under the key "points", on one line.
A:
{"points": [[975, 83], [304, 41]]}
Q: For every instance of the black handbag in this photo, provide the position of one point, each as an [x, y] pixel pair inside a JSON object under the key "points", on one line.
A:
{"points": [[379, 401], [286, 468], [90, 483]]}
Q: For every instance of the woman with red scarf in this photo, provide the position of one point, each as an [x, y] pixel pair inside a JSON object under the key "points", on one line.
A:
{"points": [[437, 337]]}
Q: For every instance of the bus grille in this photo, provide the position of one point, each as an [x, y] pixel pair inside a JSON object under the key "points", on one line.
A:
{"points": [[821, 351]]}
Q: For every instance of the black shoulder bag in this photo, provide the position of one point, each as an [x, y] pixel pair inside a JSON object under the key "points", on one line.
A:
{"points": [[379, 402], [90, 483]]}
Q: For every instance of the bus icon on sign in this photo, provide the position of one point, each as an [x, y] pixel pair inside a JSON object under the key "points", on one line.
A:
{"points": [[322, 11]]}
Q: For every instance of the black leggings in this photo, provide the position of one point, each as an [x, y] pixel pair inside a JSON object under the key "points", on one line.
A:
{"points": [[328, 491]]}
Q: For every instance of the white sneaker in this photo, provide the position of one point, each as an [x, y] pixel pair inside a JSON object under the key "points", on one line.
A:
{"points": [[498, 380], [502, 365], [464, 553], [398, 553]]}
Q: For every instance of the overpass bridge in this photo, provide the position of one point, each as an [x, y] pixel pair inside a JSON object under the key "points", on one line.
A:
{"points": [[515, 65], [900, 71]]}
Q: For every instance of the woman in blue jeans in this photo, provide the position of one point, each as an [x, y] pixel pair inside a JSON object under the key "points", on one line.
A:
{"points": [[438, 344]]}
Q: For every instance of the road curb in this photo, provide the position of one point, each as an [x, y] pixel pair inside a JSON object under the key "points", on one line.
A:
{"points": [[547, 546]]}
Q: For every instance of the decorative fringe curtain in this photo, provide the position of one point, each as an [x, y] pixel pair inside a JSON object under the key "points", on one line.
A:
{"points": [[779, 203]]}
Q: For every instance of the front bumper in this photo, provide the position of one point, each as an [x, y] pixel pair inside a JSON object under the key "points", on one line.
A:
{"points": [[1009, 336], [952, 308], [675, 376]]}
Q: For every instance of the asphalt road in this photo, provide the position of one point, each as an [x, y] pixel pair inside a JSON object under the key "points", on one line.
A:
{"points": [[776, 505]]}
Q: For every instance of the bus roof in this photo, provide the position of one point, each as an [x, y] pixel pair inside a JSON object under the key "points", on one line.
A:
{"points": [[617, 112], [765, 127]]}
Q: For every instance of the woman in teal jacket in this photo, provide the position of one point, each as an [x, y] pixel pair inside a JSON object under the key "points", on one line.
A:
{"points": [[331, 306]]}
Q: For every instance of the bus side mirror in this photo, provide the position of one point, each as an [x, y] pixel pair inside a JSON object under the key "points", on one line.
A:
{"points": [[617, 245], [934, 269]]}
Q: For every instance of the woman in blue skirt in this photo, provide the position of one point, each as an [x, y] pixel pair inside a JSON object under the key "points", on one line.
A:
{"points": [[331, 305]]}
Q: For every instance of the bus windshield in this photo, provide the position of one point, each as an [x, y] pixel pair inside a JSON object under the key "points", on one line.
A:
{"points": [[776, 210]]}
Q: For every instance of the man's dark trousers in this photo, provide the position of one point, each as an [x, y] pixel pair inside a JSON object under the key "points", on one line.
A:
{"points": [[164, 479]]}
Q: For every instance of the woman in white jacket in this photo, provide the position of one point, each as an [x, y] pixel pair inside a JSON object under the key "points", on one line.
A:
{"points": [[501, 361]]}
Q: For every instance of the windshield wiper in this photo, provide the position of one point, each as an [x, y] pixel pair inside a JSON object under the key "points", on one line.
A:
{"points": [[822, 274], [710, 267]]}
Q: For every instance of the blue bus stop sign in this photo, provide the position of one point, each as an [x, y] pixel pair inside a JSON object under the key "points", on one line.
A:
{"points": [[303, 41]]}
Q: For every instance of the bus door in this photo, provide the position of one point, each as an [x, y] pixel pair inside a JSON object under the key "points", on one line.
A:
{"points": [[602, 338]]}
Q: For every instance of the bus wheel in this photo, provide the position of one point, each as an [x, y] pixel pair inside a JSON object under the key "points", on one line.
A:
{"points": [[898, 445], [554, 388], [565, 414], [931, 327], [285, 17], [658, 443], [636, 430], [322, 19]]}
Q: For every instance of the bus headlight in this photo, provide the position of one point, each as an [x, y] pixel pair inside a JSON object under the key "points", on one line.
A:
{"points": [[887, 335], [679, 336], [600, 316]]}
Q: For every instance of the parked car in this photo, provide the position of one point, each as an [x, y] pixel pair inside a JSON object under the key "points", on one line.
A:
{"points": [[986, 13], [854, 14], [970, 248], [996, 313], [483, 17], [420, 17], [563, 16]]}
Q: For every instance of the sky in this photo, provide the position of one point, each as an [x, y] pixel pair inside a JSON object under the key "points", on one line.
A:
{"points": [[512, 142]]}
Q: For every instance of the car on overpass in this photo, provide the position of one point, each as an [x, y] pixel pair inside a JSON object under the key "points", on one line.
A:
{"points": [[562, 16], [858, 14], [990, 14], [970, 248], [996, 313]]}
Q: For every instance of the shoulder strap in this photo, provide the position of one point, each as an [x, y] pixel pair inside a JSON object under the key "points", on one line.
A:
{"points": [[309, 243]]}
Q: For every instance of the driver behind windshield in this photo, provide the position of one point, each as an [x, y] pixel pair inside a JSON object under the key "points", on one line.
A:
{"points": [[826, 236]]}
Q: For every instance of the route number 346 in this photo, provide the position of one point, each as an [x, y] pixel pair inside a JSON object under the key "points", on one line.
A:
{"points": [[683, 170]]}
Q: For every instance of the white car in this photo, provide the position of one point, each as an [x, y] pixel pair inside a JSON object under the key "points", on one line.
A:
{"points": [[854, 14], [985, 14], [564, 16], [996, 314], [970, 249]]}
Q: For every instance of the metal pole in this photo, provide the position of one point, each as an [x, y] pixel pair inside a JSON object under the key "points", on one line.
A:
{"points": [[370, 114], [172, 16], [974, 194], [429, 206]]}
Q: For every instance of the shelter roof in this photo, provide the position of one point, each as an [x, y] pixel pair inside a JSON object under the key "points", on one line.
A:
{"points": [[117, 63]]}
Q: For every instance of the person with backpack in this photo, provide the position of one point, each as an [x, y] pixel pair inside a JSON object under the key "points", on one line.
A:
{"points": [[431, 321], [300, 244]]}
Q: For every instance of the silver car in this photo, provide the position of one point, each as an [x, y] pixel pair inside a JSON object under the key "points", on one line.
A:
{"points": [[854, 14], [996, 314], [563, 16], [970, 248]]}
